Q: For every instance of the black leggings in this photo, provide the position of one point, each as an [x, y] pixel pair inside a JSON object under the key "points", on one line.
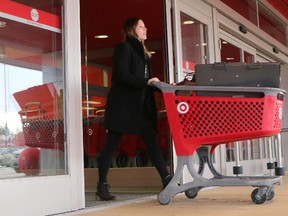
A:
{"points": [[149, 137]]}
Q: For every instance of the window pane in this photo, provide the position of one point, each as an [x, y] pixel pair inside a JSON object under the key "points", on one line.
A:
{"points": [[272, 25], [246, 8], [97, 72], [194, 42], [229, 52], [31, 89], [248, 58]]}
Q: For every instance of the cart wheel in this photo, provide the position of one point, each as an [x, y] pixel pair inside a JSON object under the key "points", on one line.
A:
{"points": [[271, 195], [163, 200], [279, 171], [191, 193], [256, 198]]}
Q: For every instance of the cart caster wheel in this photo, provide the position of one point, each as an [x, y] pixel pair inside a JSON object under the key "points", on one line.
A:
{"points": [[271, 195], [279, 171], [256, 198], [191, 193], [237, 170], [163, 200]]}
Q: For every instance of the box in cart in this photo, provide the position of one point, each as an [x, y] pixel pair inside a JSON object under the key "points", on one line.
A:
{"points": [[237, 74]]}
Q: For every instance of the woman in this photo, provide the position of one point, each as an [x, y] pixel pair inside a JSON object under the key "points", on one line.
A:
{"points": [[131, 107]]}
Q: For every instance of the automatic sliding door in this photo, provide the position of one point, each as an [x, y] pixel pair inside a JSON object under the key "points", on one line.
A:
{"points": [[99, 37]]}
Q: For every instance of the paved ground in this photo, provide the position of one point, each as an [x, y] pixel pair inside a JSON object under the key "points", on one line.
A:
{"points": [[225, 201]]}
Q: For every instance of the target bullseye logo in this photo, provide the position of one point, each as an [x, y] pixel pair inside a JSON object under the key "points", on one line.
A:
{"points": [[183, 107], [34, 15], [54, 134], [90, 132], [37, 135]]}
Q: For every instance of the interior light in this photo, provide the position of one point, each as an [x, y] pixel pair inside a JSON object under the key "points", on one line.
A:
{"points": [[188, 22], [152, 52], [224, 42], [2, 24], [89, 108], [230, 58], [92, 102], [101, 36]]}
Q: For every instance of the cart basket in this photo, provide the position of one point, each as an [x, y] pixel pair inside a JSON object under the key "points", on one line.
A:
{"points": [[233, 114]]}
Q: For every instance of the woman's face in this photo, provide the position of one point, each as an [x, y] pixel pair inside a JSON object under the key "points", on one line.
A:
{"points": [[141, 30]]}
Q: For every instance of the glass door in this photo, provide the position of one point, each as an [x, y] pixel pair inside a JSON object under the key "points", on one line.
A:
{"points": [[192, 45], [234, 50], [35, 160], [99, 36]]}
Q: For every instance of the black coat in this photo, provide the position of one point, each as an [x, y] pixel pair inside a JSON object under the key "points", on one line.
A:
{"points": [[129, 96]]}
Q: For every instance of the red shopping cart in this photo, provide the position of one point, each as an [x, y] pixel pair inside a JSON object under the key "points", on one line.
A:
{"points": [[41, 116], [216, 115]]}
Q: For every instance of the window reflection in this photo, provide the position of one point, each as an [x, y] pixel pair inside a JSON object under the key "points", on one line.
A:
{"points": [[31, 90]]}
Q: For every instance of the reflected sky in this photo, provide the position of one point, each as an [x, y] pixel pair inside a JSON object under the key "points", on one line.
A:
{"points": [[14, 79]]}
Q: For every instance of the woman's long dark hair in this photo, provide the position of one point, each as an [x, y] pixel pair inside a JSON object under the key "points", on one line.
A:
{"points": [[129, 30]]}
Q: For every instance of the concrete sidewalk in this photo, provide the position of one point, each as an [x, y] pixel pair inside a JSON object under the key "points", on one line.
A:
{"points": [[225, 201]]}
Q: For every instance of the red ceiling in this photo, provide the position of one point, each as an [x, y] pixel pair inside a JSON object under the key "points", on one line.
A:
{"points": [[97, 17], [108, 16]]}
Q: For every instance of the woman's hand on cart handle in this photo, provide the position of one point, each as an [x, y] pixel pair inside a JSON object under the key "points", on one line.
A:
{"points": [[153, 80]]}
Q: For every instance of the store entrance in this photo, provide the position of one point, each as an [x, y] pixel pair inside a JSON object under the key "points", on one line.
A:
{"points": [[101, 23]]}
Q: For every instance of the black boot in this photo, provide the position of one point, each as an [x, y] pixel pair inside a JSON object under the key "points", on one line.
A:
{"points": [[166, 180], [103, 193]]}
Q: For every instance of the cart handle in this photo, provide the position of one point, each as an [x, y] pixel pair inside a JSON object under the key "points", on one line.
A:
{"points": [[167, 88]]}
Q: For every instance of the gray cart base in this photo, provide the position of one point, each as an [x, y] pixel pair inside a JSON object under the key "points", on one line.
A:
{"points": [[265, 184], [184, 111]]}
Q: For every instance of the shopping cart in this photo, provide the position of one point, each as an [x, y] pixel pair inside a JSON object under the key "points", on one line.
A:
{"points": [[211, 116], [41, 116]]}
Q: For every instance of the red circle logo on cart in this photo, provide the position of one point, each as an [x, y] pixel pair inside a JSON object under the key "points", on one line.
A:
{"points": [[37, 135], [183, 107], [90, 132], [54, 134]]}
